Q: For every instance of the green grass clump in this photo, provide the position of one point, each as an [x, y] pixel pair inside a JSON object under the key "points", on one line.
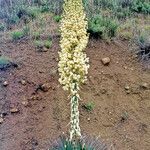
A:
{"points": [[86, 143], [41, 44], [102, 27], [48, 44], [89, 106], [38, 43], [32, 12], [36, 35], [67, 145], [16, 35], [4, 62], [2, 27], [57, 18], [26, 30]]}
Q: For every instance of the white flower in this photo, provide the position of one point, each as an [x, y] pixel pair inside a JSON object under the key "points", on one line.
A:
{"points": [[73, 65]]}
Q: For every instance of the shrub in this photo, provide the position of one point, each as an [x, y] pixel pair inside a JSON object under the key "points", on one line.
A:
{"points": [[141, 6], [12, 19], [48, 44], [123, 13], [32, 12], [17, 35], [102, 27], [57, 18], [2, 27], [45, 7], [144, 45], [125, 3]]}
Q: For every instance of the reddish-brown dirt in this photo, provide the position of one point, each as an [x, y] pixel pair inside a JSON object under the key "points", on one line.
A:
{"points": [[119, 117]]}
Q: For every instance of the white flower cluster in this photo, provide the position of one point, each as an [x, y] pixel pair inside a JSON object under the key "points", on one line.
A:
{"points": [[73, 64]]}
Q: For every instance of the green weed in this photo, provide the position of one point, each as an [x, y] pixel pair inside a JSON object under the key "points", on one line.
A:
{"points": [[2, 27], [16, 35], [48, 44], [89, 106], [38, 43], [57, 18]]}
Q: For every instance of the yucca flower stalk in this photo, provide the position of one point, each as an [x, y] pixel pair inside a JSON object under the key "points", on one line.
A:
{"points": [[73, 64]]}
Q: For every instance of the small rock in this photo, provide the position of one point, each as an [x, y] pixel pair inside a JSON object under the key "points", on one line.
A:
{"points": [[44, 87], [57, 60], [14, 110], [23, 82], [88, 119], [5, 83], [44, 49], [35, 97], [128, 91], [106, 61], [41, 71], [34, 142], [127, 87], [144, 85], [124, 116], [103, 91], [3, 114], [1, 120], [132, 69], [125, 67], [25, 103]]}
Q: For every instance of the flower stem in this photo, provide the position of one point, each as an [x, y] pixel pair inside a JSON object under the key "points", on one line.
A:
{"points": [[75, 128]]}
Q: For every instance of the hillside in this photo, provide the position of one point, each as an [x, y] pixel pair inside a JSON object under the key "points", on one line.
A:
{"points": [[115, 100]]}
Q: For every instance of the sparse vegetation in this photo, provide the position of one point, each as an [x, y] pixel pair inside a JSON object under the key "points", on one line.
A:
{"points": [[36, 35], [39, 43], [89, 106], [2, 27], [141, 6], [82, 144], [4, 62], [102, 27], [144, 45], [39, 29], [48, 44], [16, 35], [57, 18]]}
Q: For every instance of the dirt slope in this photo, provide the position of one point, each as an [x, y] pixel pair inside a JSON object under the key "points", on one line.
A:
{"points": [[120, 116]]}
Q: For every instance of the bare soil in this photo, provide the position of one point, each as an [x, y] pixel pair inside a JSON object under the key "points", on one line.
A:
{"points": [[120, 116]]}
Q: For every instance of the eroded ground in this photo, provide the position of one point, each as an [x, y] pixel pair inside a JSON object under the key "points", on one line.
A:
{"points": [[122, 104]]}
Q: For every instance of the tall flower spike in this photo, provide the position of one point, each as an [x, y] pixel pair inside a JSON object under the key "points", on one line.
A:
{"points": [[73, 64]]}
